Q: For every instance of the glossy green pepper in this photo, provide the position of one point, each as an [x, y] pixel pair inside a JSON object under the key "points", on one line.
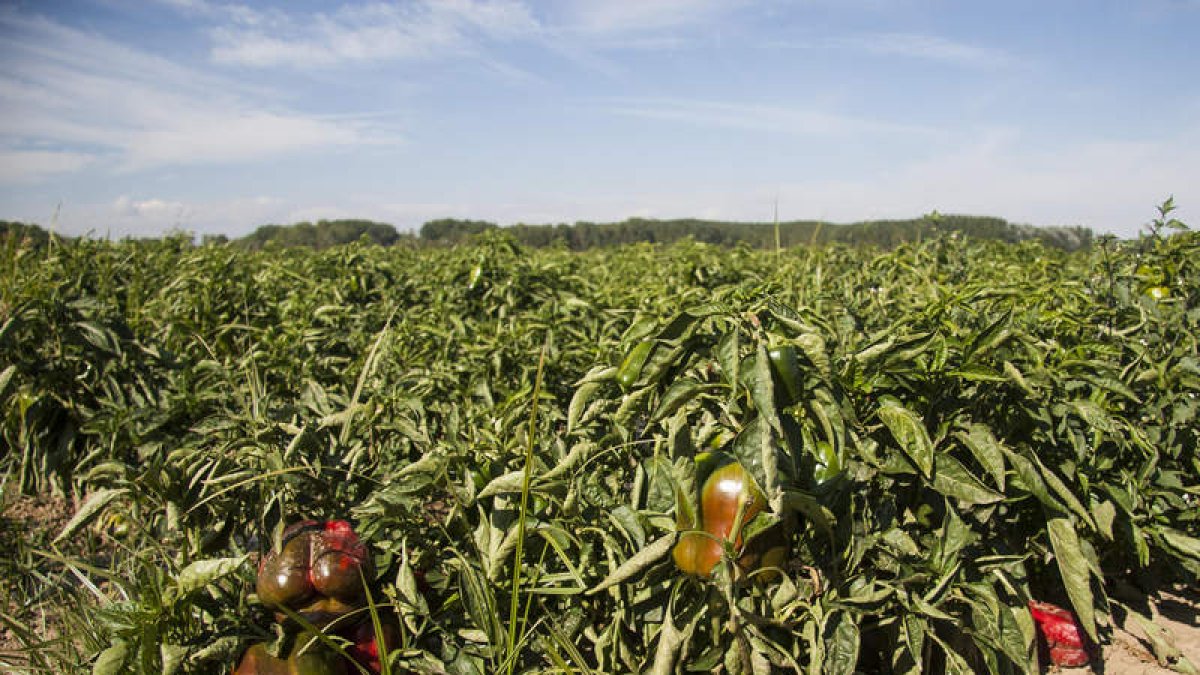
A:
{"points": [[318, 572], [310, 656], [785, 366], [631, 366], [729, 499]]}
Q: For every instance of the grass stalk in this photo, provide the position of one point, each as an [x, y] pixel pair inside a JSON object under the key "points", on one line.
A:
{"points": [[518, 555]]}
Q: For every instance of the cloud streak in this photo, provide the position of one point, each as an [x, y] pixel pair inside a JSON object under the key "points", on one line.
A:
{"points": [[911, 46], [606, 18], [768, 119], [372, 32], [129, 110]]}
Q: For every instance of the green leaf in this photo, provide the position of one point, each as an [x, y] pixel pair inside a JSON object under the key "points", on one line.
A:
{"points": [[1183, 544], [762, 390], [172, 657], [112, 660], [92, 506], [480, 603], [578, 453], [629, 524], [579, 401], [1031, 479], [909, 431], [821, 517], [876, 350], [842, 644], [729, 359], [956, 535], [1093, 414], [1105, 515], [652, 553], [513, 481], [5, 378], [1074, 570], [1060, 488], [987, 450], [990, 337], [914, 628], [406, 583], [954, 480], [1018, 377], [222, 649], [813, 346], [201, 573], [680, 392], [670, 640]]}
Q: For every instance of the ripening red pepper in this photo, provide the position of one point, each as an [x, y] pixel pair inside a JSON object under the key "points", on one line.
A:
{"points": [[318, 572], [1062, 633], [726, 492]]}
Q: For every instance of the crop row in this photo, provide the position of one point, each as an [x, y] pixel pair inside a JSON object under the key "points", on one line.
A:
{"points": [[937, 434]]}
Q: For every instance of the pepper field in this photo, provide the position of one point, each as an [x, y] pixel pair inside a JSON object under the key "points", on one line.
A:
{"points": [[942, 433]]}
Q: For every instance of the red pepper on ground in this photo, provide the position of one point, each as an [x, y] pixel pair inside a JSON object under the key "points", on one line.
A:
{"points": [[1062, 633]]}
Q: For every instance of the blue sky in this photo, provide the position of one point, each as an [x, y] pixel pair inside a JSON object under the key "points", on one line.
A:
{"points": [[133, 117]]}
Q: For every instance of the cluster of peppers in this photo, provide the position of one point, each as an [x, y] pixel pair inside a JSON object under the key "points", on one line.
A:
{"points": [[729, 501], [318, 573]]}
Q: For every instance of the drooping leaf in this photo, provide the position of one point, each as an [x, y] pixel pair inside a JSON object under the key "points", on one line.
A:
{"points": [[842, 641], [909, 431], [1074, 570], [638, 562], [952, 479], [95, 503], [987, 451], [202, 573]]}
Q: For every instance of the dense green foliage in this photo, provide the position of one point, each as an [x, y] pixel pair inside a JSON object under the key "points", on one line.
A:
{"points": [[993, 422]]}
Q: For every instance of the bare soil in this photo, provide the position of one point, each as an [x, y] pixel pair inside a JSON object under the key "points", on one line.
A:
{"points": [[23, 520], [1131, 651]]}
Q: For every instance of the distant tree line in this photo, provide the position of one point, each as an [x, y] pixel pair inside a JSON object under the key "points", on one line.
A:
{"points": [[585, 235], [23, 233], [884, 233]]}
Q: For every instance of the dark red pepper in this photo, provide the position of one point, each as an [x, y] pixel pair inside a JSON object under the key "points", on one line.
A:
{"points": [[318, 572], [1062, 634]]}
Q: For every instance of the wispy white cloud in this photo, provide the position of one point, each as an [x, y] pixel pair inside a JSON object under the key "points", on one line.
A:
{"points": [[62, 87], [909, 45], [27, 166], [603, 17], [143, 216], [429, 30], [237, 13], [155, 209], [373, 32], [931, 47], [774, 119]]}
